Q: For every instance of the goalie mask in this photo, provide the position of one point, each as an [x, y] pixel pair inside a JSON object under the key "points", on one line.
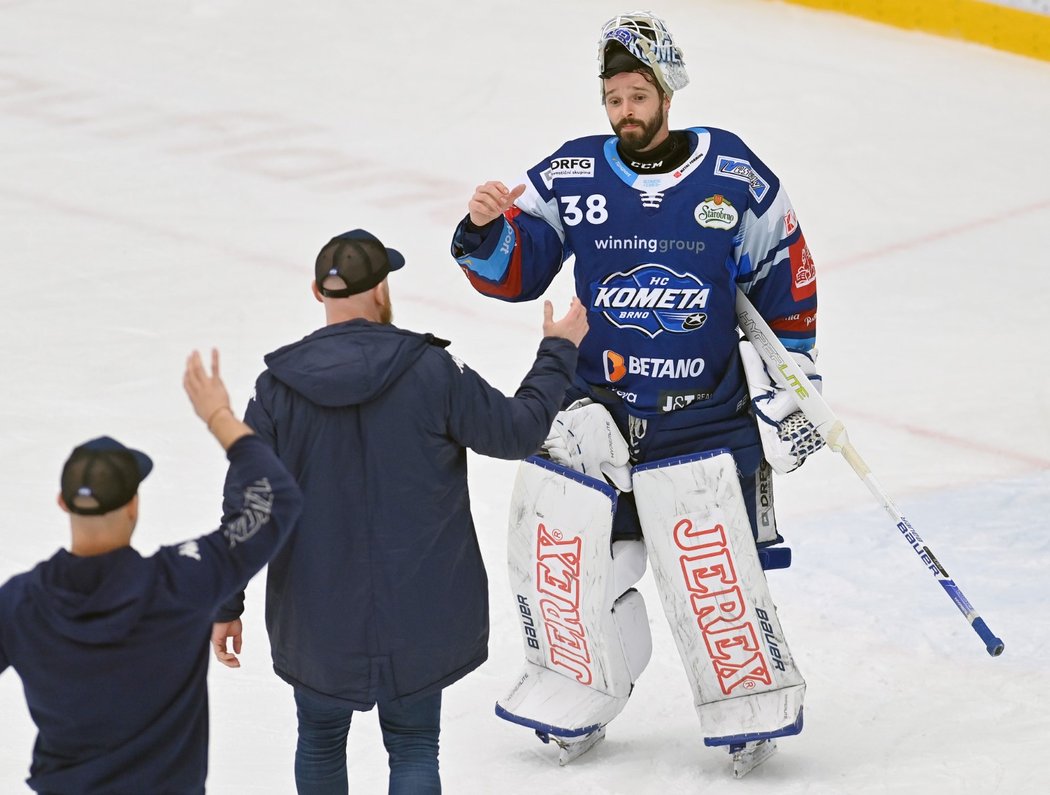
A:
{"points": [[636, 39]]}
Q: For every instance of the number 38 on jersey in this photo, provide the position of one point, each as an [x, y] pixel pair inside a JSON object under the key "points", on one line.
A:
{"points": [[593, 209]]}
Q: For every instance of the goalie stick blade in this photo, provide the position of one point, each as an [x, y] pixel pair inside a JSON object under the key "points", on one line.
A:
{"points": [[751, 755], [571, 749]]}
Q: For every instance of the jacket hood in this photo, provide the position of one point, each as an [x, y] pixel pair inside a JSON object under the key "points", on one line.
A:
{"points": [[96, 600], [348, 363]]}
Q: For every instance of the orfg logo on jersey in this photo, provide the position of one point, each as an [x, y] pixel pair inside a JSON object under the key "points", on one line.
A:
{"points": [[651, 299], [567, 167]]}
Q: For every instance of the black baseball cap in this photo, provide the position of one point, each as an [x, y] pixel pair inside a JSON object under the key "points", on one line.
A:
{"points": [[102, 475], [354, 262]]}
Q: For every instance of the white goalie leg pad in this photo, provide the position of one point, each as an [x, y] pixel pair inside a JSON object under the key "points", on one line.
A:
{"points": [[585, 630], [714, 593]]}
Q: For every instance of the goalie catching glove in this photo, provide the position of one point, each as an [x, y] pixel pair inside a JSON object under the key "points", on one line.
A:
{"points": [[788, 438], [584, 437]]}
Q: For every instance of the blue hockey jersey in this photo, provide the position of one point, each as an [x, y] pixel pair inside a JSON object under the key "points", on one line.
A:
{"points": [[657, 261]]}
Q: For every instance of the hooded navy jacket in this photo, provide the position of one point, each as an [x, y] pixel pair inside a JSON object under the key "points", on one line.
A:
{"points": [[382, 592], [113, 649]]}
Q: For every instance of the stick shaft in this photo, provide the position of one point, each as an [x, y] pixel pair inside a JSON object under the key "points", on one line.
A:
{"points": [[789, 374]]}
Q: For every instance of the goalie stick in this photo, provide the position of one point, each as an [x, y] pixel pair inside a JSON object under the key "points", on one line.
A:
{"points": [[786, 371]]}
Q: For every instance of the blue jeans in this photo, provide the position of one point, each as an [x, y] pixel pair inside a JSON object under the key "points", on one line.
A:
{"points": [[410, 735]]}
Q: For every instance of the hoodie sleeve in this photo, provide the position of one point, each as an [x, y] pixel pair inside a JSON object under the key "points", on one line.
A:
{"points": [[211, 568], [490, 423], [4, 662], [259, 420]]}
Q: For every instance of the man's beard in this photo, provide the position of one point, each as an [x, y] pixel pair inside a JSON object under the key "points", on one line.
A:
{"points": [[638, 140]]}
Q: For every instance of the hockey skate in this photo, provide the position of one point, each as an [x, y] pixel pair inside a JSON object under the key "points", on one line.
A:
{"points": [[748, 756], [572, 747]]}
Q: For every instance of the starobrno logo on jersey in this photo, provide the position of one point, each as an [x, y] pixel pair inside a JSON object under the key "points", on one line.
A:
{"points": [[716, 212], [651, 299]]}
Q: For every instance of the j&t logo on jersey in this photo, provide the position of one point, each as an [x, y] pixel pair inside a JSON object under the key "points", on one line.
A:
{"points": [[652, 299], [716, 212]]}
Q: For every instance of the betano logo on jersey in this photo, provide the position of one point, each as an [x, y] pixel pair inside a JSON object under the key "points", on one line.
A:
{"points": [[617, 366], [615, 369], [652, 299]]}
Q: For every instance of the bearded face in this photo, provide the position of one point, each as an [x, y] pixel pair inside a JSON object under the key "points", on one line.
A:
{"points": [[637, 134], [636, 111]]}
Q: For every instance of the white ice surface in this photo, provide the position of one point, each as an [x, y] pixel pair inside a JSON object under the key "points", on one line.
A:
{"points": [[169, 170]]}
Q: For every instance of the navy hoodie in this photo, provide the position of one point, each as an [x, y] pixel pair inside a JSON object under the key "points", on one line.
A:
{"points": [[113, 649], [382, 591]]}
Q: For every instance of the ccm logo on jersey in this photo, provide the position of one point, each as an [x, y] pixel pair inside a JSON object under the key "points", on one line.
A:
{"points": [[652, 299], [650, 367], [735, 168], [716, 212]]}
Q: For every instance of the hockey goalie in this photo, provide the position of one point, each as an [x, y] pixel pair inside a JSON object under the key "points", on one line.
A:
{"points": [[667, 461]]}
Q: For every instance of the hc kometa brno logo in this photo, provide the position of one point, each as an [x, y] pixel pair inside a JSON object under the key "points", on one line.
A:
{"points": [[652, 298]]}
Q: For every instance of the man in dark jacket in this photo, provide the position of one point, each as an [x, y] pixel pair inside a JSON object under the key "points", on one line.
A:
{"points": [[381, 597], [112, 648]]}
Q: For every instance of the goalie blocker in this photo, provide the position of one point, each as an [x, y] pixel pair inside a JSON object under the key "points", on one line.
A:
{"points": [[585, 629]]}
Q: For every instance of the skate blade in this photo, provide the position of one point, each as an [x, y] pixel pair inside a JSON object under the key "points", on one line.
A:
{"points": [[571, 749], [746, 760]]}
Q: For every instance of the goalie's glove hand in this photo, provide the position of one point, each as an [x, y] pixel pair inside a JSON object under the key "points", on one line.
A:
{"points": [[788, 438], [584, 437]]}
